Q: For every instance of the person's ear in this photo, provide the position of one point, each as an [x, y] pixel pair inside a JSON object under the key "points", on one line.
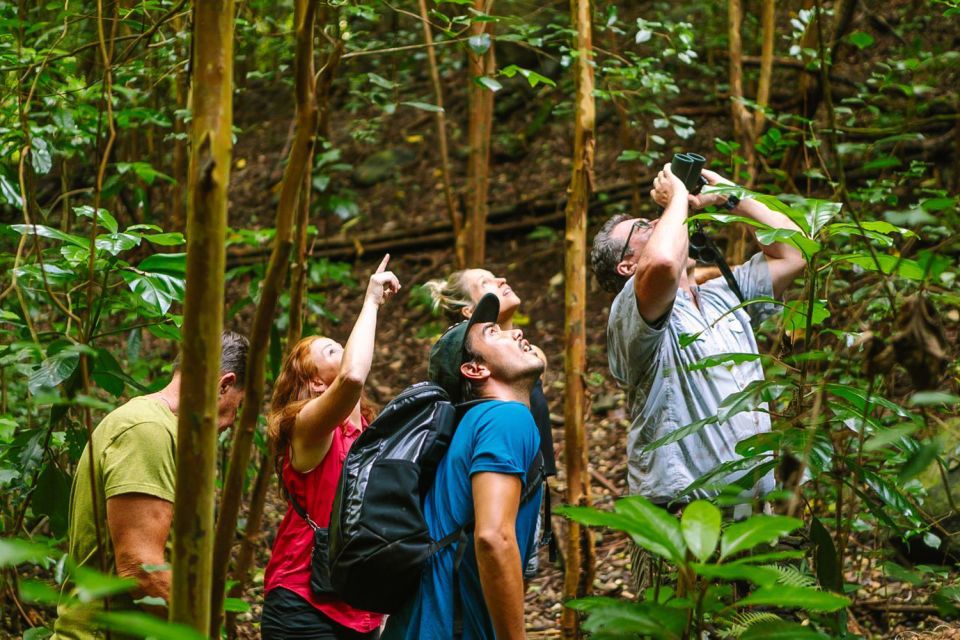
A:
{"points": [[467, 311], [626, 269], [227, 380], [317, 386], [474, 371]]}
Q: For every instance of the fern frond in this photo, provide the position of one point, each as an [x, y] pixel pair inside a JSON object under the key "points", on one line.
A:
{"points": [[745, 619], [793, 577]]}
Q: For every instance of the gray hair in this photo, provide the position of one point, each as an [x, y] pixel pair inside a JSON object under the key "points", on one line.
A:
{"points": [[605, 255], [233, 356]]}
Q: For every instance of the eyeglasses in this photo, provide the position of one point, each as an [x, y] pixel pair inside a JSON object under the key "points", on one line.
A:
{"points": [[639, 223]]}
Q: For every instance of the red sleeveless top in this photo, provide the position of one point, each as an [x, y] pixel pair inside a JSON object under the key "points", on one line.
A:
{"points": [[289, 565]]}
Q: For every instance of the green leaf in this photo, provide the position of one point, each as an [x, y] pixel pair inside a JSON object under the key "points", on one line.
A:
{"points": [[919, 460], [479, 43], [53, 371], [235, 605], [9, 191], [931, 398], [625, 619], [650, 526], [760, 576], [888, 436], [14, 552], [750, 398], [104, 219], [171, 264], [425, 106], [791, 237], [488, 82], [174, 239], [533, 78], [860, 40], [700, 526], [37, 633], [661, 527], [39, 592], [679, 434], [49, 232], [825, 557], [795, 598], [887, 264], [51, 497], [781, 630], [91, 585], [755, 530], [144, 625], [40, 156], [710, 361], [795, 314]]}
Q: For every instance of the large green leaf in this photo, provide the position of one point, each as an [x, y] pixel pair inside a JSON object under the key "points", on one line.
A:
{"points": [[700, 526], [825, 556], [806, 598], [750, 398], [91, 585], [781, 630], [14, 552], [659, 525], [755, 530], [144, 625], [679, 434], [610, 618], [51, 497], [793, 237], [761, 576], [649, 535], [795, 314], [53, 371], [171, 264], [49, 232]]}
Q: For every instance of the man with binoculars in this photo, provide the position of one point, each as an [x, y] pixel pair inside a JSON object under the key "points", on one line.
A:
{"points": [[649, 264]]}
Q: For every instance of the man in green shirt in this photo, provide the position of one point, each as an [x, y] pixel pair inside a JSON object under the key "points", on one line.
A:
{"points": [[134, 455]]}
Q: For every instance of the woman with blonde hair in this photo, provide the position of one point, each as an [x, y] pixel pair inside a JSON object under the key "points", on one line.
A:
{"points": [[456, 296], [316, 414]]}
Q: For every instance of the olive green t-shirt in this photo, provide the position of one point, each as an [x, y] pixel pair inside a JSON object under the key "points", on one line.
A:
{"points": [[134, 450]]}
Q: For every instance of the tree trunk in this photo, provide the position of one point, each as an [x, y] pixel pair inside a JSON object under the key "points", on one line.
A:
{"points": [[209, 175], [480, 104], [179, 145], [252, 535], [742, 122], [579, 552], [455, 218], [768, 30], [299, 268], [300, 151], [295, 177]]}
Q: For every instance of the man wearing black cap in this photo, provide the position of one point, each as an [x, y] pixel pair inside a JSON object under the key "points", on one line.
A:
{"points": [[480, 479]]}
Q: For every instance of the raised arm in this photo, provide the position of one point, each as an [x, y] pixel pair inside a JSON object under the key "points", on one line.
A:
{"points": [[313, 429], [496, 500], [665, 255], [785, 261]]}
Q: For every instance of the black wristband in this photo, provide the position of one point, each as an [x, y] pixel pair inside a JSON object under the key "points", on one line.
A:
{"points": [[731, 203]]}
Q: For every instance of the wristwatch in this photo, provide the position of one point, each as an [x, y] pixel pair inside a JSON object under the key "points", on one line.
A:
{"points": [[731, 203]]}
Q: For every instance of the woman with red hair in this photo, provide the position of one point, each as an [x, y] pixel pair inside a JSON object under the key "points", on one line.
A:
{"points": [[317, 412]]}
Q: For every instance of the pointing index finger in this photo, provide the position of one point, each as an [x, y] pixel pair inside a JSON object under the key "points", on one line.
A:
{"points": [[383, 263]]}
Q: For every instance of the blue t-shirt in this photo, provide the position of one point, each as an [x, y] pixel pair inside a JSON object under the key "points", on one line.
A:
{"points": [[495, 436]]}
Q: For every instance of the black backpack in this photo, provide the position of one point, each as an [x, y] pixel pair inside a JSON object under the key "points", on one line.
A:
{"points": [[379, 542]]}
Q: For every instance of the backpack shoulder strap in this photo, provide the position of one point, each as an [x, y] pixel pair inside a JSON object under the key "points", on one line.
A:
{"points": [[298, 507]]}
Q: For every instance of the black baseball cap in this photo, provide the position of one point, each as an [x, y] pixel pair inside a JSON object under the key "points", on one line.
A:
{"points": [[449, 352]]}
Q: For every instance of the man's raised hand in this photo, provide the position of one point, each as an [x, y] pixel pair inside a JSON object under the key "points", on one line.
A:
{"points": [[667, 186], [383, 284]]}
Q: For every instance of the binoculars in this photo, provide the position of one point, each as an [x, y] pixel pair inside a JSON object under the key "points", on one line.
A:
{"points": [[687, 166]]}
